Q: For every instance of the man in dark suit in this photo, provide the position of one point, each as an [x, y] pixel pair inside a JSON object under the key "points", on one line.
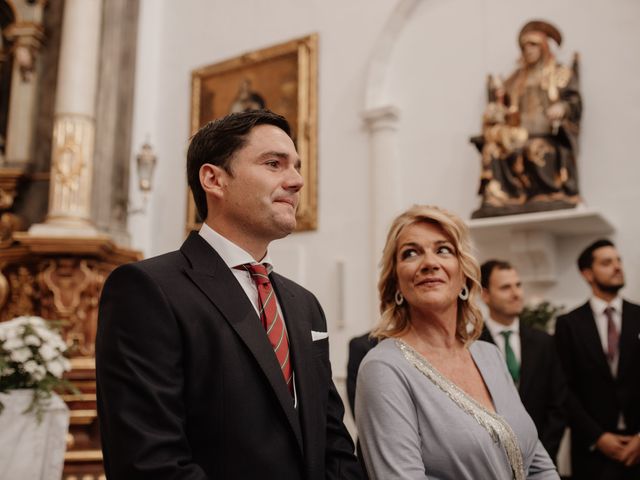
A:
{"points": [[209, 365], [358, 348], [529, 353], [599, 345]]}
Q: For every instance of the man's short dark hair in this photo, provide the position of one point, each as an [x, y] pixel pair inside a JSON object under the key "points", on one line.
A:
{"points": [[585, 260], [218, 141], [487, 268]]}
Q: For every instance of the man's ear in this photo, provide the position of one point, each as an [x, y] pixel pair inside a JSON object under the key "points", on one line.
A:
{"points": [[213, 179], [485, 295], [587, 274]]}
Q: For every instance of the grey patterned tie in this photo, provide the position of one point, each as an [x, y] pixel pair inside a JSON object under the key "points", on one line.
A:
{"points": [[613, 336]]}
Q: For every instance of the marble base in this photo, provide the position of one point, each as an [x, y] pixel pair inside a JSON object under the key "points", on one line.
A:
{"points": [[64, 228], [28, 448]]}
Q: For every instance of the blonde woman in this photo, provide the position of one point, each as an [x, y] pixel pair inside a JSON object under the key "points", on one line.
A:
{"points": [[431, 402]]}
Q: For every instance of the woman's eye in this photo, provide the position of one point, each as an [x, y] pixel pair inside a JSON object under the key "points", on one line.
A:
{"points": [[445, 249], [409, 252]]}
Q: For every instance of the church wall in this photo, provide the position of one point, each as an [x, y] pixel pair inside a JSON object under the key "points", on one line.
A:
{"points": [[436, 78], [174, 41]]}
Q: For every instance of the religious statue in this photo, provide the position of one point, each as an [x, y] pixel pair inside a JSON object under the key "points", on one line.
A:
{"points": [[530, 129]]}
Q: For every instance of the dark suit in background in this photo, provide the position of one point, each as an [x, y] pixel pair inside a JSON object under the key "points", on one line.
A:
{"points": [[542, 386], [596, 398], [358, 348]]}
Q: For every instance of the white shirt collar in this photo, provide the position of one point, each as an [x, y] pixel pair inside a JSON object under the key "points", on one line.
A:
{"points": [[495, 327], [598, 305], [231, 254]]}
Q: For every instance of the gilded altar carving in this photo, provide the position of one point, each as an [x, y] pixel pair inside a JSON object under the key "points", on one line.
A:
{"points": [[64, 286], [68, 163], [9, 223], [22, 293], [70, 189], [10, 179], [27, 39], [71, 288], [6, 199], [4, 290]]}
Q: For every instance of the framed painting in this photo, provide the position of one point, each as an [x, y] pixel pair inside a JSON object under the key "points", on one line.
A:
{"points": [[282, 78]]}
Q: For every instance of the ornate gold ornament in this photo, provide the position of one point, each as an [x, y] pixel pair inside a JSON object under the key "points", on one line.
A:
{"points": [[68, 163]]}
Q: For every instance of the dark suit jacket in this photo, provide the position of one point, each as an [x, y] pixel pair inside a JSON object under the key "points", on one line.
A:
{"points": [[358, 348], [189, 386], [595, 397], [542, 385]]}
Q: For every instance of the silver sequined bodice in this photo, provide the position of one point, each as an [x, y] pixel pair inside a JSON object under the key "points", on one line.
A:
{"points": [[496, 426]]}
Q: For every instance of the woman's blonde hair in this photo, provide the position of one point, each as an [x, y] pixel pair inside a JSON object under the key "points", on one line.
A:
{"points": [[395, 319]]}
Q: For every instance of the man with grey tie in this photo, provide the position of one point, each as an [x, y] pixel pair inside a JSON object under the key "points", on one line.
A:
{"points": [[529, 353], [599, 346]]}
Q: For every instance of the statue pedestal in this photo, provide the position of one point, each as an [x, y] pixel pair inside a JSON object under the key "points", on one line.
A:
{"points": [[28, 448], [530, 240]]}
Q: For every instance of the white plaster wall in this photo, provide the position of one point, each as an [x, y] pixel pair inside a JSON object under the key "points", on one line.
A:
{"points": [[436, 77], [177, 37]]}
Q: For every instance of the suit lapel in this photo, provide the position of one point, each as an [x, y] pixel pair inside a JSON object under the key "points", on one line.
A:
{"points": [[527, 358], [591, 337], [301, 348], [629, 338], [217, 282], [486, 335]]}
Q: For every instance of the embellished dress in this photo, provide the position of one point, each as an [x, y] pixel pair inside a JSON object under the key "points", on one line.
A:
{"points": [[413, 423]]}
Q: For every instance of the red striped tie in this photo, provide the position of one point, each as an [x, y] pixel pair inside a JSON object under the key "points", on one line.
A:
{"points": [[271, 319]]}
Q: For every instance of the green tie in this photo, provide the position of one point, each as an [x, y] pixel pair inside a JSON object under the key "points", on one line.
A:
{"points": [[512, 362]]}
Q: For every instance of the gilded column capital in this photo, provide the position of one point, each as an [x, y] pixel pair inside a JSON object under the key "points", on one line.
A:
{"points": [[25, 33], [27, 38], [382, 118]]}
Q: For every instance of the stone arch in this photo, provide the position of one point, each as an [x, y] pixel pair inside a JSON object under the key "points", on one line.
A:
{"points": [[376, 77], [381, 115]]}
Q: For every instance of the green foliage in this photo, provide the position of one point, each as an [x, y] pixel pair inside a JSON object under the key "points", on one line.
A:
{"points": [[538, 316]]}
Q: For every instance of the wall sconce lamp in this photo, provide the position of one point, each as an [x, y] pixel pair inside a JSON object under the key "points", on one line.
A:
{"points": [[146, 161], [145, 165]]}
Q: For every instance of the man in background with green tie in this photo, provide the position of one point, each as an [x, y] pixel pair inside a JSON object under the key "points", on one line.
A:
{"points": [[529, 353]]}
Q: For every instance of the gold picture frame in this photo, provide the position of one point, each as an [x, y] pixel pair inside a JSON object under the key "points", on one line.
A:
{"points": [[282, 78]]}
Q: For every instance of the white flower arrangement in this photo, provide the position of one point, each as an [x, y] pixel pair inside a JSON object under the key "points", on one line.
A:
{"points": [[32, 356]]}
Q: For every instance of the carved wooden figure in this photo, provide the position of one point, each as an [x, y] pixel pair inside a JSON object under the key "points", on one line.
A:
{"points": [[530, 130]]}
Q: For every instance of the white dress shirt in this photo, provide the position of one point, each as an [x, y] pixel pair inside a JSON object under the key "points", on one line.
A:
{"points": [[233, 256], [514, 339]]}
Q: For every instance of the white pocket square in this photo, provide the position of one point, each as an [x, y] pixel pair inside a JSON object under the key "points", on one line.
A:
{"points": [[315, 336]]}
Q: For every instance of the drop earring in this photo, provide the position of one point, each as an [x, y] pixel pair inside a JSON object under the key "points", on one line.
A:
{"points": [[399, 298], [464, 293]]}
